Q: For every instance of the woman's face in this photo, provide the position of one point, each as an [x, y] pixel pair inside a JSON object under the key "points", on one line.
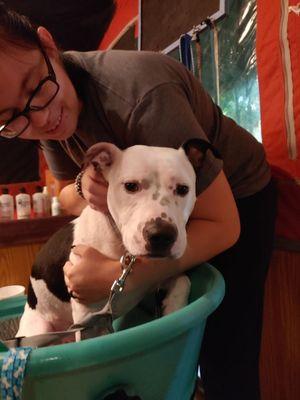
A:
{"points": [[21, 70]]}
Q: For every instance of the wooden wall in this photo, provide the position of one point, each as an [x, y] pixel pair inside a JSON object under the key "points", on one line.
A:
{"points": [[280, 357], [162, 22], [16, 262], [20, 240]]}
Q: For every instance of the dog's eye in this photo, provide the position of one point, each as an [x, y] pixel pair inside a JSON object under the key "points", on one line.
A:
{"points": [[182, 190], [132, 187]]}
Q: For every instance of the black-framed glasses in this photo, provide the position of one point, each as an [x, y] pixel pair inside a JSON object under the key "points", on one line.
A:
{"points": [[40, 98]]}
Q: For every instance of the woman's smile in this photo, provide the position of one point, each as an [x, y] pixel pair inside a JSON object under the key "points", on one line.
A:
{"points": [[56, 123]]}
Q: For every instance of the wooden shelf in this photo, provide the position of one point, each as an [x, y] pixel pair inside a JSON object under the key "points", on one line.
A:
{"points": [[28, 231]]}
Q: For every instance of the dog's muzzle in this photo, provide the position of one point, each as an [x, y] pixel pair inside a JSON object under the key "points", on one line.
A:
{"points": [[159, 236]]}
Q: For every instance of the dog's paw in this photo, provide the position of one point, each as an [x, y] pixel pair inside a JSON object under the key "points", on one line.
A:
{"points": [[177, 295]]}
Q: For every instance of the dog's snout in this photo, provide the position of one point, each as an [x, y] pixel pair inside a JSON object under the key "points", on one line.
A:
{"points": [[160, 237]]}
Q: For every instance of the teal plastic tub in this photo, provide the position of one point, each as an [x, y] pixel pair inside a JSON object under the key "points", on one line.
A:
{"points": [[155, 360]]}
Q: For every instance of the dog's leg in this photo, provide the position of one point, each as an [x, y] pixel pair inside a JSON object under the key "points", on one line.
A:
{"points": [[82, 312], [178, 290], [32, 323]]}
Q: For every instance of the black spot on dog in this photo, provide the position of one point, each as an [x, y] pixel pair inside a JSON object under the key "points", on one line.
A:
{"points": [[50, 260], [165, 201], [31, 297], [155, 195]]}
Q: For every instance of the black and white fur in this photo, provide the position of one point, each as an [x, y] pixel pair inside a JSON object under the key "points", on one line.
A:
{"points": [[151, 195]]}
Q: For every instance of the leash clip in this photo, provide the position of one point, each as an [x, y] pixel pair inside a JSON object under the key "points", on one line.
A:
{"points": [[127, 261]]}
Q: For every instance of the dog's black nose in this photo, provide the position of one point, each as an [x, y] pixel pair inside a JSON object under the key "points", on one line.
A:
{"points": [[160, 237]]}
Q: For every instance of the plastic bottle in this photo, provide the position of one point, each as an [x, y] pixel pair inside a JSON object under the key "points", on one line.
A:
{"points": [[55, 206], [23, 204], [47, 201], [6, 205], [38, 202]]}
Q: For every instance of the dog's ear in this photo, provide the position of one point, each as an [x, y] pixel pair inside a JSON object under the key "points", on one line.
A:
{"points": [[101, 156], [196, 149]]}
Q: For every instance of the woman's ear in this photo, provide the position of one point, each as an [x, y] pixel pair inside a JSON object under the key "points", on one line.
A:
{"points": [[47, 41]]}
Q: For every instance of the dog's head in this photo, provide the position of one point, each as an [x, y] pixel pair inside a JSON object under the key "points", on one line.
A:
{"points": [[151, 194]]}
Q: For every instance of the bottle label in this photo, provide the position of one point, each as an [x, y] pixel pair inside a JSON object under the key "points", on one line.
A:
{"points": [[6, 209], [23, 207], [23, 203], [38, 206]]}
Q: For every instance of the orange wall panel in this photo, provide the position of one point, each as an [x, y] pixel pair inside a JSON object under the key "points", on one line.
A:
{"points": [[126, 12]]}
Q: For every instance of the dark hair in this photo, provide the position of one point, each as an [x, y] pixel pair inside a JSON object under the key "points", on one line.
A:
{"points": [[17, 29]]}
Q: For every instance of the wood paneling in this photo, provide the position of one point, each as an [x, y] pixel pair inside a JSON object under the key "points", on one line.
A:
{"points": [[15, 264], [20, 240], [162, 22], [280, 357]]}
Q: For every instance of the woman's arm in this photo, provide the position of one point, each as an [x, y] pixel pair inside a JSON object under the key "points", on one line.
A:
{"points": [[94, 189], [70, 200], [213, 227]]}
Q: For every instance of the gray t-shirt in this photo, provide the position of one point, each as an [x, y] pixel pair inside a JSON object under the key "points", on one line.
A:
{"points": [[132, 97]]}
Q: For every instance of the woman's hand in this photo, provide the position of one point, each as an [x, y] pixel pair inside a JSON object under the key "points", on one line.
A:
{"points": [[91, 278], [94, 189]]}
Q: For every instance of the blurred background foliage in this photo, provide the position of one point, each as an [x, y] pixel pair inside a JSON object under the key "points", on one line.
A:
{"points": [[238, 83]]}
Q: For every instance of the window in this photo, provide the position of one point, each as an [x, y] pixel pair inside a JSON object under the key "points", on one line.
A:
{"points": [[235, 47]]}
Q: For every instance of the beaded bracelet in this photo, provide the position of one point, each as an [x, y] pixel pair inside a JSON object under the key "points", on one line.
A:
{"points": [[78, 184]]}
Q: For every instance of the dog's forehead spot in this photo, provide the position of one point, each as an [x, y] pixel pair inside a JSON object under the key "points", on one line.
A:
{"points": [[157, 185], [156, 180], [155, 195], [164, 201], [145, 183], [155, 176]]}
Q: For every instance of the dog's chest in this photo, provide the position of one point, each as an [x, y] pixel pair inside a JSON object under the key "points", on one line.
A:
{"points": [[94, 229]]}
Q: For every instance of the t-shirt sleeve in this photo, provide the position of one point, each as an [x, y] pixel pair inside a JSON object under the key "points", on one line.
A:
{"points": [[59, 163], [164, 117]]}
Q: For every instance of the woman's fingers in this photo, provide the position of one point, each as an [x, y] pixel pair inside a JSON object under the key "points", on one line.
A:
{"points": [[94, 188], [79, 274]]}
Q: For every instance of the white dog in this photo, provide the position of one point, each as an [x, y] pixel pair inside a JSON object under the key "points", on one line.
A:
{"points": [[151, 195]]}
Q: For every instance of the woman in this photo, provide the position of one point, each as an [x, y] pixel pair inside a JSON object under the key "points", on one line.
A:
{"points": [[70, 101]]}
